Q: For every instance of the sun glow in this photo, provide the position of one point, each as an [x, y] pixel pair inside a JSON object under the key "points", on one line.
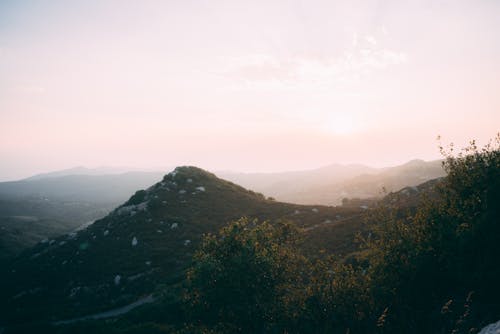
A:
{"points": [[342, 124]]}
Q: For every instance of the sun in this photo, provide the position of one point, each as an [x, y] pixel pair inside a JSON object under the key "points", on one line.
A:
{"points": [[341, 124]]}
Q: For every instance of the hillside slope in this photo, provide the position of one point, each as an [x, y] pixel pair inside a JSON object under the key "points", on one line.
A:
{"points": [[146, 242], [46, 206]]}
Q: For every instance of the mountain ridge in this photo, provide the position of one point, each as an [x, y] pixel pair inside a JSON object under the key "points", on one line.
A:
{"points": [[146, 241]]}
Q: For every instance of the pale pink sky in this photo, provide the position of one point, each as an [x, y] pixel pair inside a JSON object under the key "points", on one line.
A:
{"points": [[243, 85]]}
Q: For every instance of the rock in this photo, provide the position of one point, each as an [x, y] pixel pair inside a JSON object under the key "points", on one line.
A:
{"points": [[118, 278], [134, 241], [491, 328]]}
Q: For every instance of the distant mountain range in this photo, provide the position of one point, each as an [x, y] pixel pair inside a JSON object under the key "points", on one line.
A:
{"points": [[56, 203], [330, 184], [81, 186], [80, 170]]}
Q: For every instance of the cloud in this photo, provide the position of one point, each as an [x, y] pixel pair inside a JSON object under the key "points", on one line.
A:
{"points": [[267, 71], [371, 40]]}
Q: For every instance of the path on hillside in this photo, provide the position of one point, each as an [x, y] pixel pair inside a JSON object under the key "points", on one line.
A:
{"points": [[110, 313], [332, 223]]}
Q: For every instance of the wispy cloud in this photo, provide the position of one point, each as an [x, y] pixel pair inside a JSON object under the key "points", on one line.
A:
{"points": [[364, 57]]}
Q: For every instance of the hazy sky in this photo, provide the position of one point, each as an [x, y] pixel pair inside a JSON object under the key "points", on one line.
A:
{"points": [[243, 85]]}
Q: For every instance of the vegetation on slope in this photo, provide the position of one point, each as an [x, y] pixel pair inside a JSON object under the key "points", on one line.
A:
{"points": [[430, 270], [145, 244], [427, 264]]}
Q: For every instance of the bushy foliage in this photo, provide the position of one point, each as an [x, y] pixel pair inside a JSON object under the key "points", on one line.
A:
{"points": [[447, 251], [248, 277], [430, 270]]}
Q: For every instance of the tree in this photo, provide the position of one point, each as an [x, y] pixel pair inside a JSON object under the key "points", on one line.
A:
{"points": [[447, 249], [248, 278]]}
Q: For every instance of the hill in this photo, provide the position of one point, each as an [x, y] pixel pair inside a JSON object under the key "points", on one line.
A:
{"points": [[79, 170], [109, 188], [143, 244], [49, 205]]}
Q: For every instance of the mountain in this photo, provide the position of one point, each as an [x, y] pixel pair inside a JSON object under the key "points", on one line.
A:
{"points": [[329, 185], [80, 170], [81, 187], [280, 185], [143, 244], [47, 205], [43, 207]]}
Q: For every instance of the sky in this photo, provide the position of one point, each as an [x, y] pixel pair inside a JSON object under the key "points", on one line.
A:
{"points": [[243, 85]]}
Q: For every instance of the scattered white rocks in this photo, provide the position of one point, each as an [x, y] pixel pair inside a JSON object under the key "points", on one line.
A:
{"points": [[159, 231], [142, 206], [328, 221], [148, 263], [182, 191], [189, 180], [491, 329], [74, 291], [125, 209], [19, 295], [132, 209], [187, 242], [62, 243], [134, 241], [72, 235], [44, 241], [174, 226], [105, 233], [200, 188], [338, 216], [364, 207], [134, 277], [118, 278], [51, 242], [296, 212], [314, 210]]}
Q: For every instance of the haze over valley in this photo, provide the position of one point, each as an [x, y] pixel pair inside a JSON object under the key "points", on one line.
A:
{"points": [[271, 167]]}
